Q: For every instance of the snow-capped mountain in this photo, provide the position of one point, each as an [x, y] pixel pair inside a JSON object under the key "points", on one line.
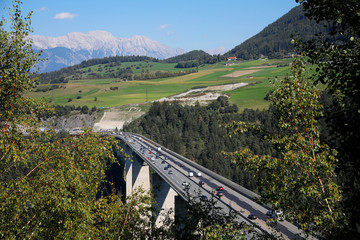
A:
{"points": [[217, 51], [76, 47]]}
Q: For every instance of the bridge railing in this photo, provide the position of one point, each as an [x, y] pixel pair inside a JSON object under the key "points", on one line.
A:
{"points": [[227, 182], [163, 176]]}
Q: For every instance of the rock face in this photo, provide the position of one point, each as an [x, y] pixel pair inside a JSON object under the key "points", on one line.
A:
{"points": [[77, 121], [76, 47]]}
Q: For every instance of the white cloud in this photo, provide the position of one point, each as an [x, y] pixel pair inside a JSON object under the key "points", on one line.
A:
{"points": [[164, 26], [42, 9], [65, 15]]}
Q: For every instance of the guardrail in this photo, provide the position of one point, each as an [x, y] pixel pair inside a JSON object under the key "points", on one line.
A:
{"points": [[227, 182], [216, 176], [246, 192], [164, 176]]}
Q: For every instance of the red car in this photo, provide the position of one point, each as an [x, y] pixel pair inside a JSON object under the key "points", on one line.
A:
{"points": [[220, 188]]}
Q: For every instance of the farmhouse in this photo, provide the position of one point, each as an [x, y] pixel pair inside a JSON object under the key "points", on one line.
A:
{"points": [[231, 58]]}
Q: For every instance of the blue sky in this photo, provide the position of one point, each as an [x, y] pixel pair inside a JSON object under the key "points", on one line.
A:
{"points": [[188, 24]]}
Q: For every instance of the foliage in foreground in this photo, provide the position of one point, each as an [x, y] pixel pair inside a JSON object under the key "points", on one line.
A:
{"points": [[51, 187], [301, 181], [338, 61]]}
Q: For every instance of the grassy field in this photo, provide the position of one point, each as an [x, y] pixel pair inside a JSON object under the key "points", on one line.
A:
{"points": [[98, 93]]}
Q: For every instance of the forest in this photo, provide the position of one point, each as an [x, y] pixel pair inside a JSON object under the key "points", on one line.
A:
{"points": [[198, 133], [195, 56], [274, 41]]}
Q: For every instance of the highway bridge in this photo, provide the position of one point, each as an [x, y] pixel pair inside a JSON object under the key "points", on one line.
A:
{"points": [[175, 171]]}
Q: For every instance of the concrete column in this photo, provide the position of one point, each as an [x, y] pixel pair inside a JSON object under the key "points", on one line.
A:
{"points": [[137, 174], [165, 199], [129, 183]]}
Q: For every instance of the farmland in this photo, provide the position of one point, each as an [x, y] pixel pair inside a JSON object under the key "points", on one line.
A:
{"points": [[110, 92]]}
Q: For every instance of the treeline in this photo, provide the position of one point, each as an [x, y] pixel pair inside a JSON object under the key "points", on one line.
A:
{"points": [[161, 74], [198, 133], [195, 56], [60, 76], [188, 64], [66, 110]]}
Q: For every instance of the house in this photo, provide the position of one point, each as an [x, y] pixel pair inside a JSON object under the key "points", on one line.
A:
{"points": [[229, 64], [231, 58]]}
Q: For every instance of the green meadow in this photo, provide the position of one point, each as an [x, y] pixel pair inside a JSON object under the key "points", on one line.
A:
{"points": [[112, 92]]}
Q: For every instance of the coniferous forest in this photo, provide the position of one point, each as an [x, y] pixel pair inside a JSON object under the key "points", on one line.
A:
{"points": [[199, 133]]}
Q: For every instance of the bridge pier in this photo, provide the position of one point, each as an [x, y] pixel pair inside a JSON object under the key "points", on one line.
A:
{"points": [[137, 174], [165, 199], [169, 204]]}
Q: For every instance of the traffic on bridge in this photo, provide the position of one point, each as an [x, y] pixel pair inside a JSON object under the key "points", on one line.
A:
{"points": [[184, 175]]}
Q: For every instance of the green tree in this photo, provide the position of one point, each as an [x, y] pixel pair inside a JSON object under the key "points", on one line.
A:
{"points": [[205, 219], [51, 187], [85, 109], [337, 59], [301, 181]]}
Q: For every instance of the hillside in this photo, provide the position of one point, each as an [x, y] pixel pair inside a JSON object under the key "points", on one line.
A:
{"points": [[119, 67], [193, 55], [274, 41]]}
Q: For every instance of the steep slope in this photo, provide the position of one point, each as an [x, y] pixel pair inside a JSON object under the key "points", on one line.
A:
{"points": [[76, 47], [274, 41]]}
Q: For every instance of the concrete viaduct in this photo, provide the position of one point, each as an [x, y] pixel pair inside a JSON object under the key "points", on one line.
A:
{"points": [[172, 174]]}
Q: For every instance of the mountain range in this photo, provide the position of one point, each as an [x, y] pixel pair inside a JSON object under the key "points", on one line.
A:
{"points": [[273, 41], [76, 47]]}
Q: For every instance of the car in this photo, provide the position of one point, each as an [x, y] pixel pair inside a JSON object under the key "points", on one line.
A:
{"points": [[279, 214], [252, 216], [169, 166], [170, 172], [186, 185], [203, 198], [281, 218], [163, 162], [181, 165], [199, 174], [220, 194], [269, 213], [220, 188], [201, 183], [166, 168], [191, 174], [275, 214], [150, 152], [148, 158]]}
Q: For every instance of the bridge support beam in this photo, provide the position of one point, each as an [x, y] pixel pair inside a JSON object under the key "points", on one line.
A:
{"points": [[137, 174], [165, 199]]}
